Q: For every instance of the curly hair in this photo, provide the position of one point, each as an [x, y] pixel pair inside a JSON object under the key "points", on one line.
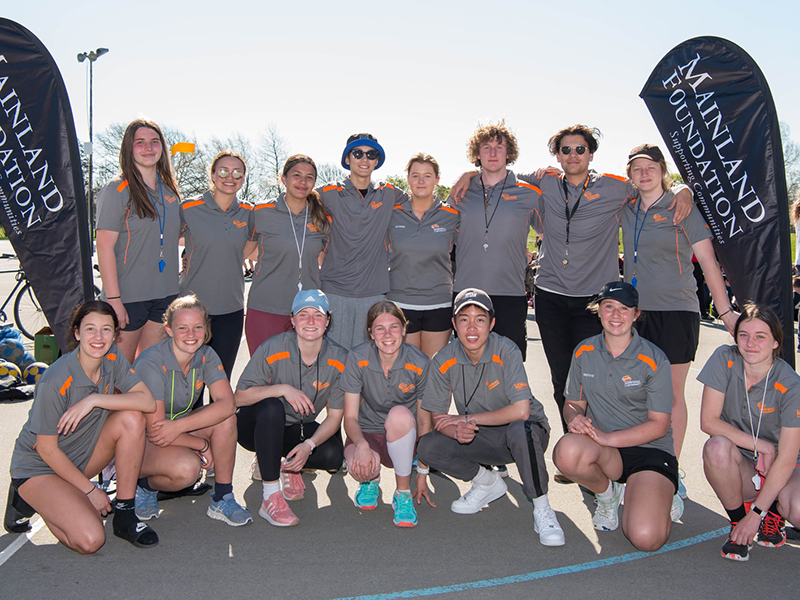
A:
{"points": [[488, 132]]}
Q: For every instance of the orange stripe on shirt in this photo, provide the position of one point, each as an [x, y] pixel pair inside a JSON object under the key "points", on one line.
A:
{"points": [[122, 185], [582, 349], [528, 185], [186, 205], [617, 177], [648, 360], [65, 387], [329, 188], [363, 363], [677, 253], [110, 356], [782, 389], [414, 368], [497, 359], [277, 356], [265, 205], [128, 230], [443, 369], [336, 365], [730, 364], [448, 209]]}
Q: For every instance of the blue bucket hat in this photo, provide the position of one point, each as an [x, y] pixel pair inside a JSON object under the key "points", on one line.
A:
{"points": [[363, 139], [311, 298]]}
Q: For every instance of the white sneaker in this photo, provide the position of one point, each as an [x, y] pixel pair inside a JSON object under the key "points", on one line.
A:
{"points": [[676, 512], [479, 496], [606, 515], [546, 525]]}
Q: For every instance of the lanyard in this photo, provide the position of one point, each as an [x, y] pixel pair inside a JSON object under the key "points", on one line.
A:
{"points": [[300, 386], [172, 398], [760, 409], [472, 395], [569, 214], [637, 232], [486, 218], [161, 220], [297, 244]]}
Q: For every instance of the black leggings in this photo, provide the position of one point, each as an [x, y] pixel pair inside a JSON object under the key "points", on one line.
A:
{"points": [[226, 336], [262, 430]]}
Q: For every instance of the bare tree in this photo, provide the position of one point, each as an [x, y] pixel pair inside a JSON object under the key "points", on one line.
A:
{"points": [[327, 173], [272, 155], [791, 161]]}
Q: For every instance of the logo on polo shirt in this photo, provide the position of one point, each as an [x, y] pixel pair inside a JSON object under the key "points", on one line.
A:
{"points": [[320, 385], [492, 385], [239, 224], [375, 205], [589, 197], [198, 385], [659, 218], [312, 227], [436, 228], [170, 199], [406, 387], [765, 410], [798, 414], [507, 197], [629, 382], [520, 386]]}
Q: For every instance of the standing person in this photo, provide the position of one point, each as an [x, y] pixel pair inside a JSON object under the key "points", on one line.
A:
{"points": [[76, 426], [422, 233], [217, 233], [181, 441], [795, 217], [658, 263], [751, 410], [382, 428], [355, 272], [492, 244], [498, 420], [291, 233], [138, 225], [289, 380], [619, 398]]}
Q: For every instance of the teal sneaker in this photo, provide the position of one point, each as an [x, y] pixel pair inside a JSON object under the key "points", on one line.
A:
{"points": [[367, 495], [229, 511], [405, 515]]}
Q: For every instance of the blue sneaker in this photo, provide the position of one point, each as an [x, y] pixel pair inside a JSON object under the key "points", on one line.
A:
{"points": [[229, 511], [681, 487], [405, 515], [146, 504], [367, 495]]}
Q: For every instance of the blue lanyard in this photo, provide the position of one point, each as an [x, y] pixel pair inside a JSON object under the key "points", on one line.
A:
{"points": [[161, 220], [637, 232]]}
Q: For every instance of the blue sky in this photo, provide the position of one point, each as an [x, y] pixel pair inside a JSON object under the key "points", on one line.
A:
{"points": [[418, 75]]}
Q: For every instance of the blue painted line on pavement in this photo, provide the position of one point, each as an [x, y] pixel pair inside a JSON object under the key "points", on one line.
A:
{"points": [[595, 564]]}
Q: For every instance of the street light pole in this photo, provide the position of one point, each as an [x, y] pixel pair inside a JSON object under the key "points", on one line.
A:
{"points": [[92, 56]]}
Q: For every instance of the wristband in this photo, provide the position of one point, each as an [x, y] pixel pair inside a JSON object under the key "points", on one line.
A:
{"points": [[113, 297], [725, 313], [761, 513], [94, 487], [311, 443], [424, 471], [206, 447]]}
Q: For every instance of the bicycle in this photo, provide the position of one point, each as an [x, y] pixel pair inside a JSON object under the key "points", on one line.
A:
{"points": [[28, 314]]}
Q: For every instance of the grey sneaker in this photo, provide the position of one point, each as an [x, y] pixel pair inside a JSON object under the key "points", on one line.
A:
{"points": [[229, 511], [146, 504], [606, 515]]}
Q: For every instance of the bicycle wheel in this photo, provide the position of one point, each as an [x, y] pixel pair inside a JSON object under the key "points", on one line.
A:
{"points": [[28, 312]]}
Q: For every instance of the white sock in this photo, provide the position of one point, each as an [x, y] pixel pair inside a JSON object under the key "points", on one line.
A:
{"points": [[609, 493], [485, 477], [269, 488], [541, 502], [402, 453]]}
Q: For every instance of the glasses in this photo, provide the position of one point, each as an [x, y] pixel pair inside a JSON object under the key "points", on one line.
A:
{"points": [[224, 173], [358, 154], [567, 150]]}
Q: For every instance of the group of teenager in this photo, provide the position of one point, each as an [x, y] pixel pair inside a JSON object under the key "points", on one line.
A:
{"points": [[351, 311]]}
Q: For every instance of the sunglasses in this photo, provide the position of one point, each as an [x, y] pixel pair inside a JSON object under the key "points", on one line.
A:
{"points": [[224, 173], [371, 154], [567, 150]]}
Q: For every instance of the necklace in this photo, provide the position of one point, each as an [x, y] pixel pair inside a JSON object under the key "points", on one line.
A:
{"points": [[486, 218], [300, 247], [756, 477], [569, 214], [637, 232]]}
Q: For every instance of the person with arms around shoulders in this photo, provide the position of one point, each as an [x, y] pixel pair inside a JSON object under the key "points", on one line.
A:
{"points": [[619, 398], [138, 226], [289, 380], [422, 233], [217, 236], [181, 441], [383, 383], [355, 270], [498, 420], [76, 426], [751, 410]]}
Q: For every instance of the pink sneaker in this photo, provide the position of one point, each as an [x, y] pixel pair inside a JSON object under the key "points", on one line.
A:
{"points": [[293, 486], [275, 510]]}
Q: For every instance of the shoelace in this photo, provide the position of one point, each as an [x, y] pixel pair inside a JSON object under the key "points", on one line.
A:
{"points": [[547, 518], [771, 525]]}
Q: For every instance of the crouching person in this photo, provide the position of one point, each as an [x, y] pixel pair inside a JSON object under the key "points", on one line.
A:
{"points": [[498, 420]]}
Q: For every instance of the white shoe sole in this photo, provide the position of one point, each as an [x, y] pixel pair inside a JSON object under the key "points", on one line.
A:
{"points": [[471, 510], [265, 515], [218, 516]]}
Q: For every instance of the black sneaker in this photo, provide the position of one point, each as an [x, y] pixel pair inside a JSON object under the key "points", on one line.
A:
{"points": [[772, 531], [733, 551]]}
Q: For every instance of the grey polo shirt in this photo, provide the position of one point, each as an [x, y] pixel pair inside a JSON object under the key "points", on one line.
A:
{"points": [[363, 374], [619, 391], [138, 246], [278, 270], [664, 272], [277, 361], [215, 240], [498, 380], [159, 369], [356, 261], [420, 271], [724, 372], [593, 232], [500, 269], [62, 386]]}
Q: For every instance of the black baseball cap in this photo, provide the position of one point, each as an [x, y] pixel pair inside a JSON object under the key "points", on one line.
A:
{"points": [[620, 291], [472, 296], [647, 151]]}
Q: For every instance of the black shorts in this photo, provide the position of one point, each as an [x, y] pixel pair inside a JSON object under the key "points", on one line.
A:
{"points": [[637, 459], [434, 319], [140, 313], [676, 332]]}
